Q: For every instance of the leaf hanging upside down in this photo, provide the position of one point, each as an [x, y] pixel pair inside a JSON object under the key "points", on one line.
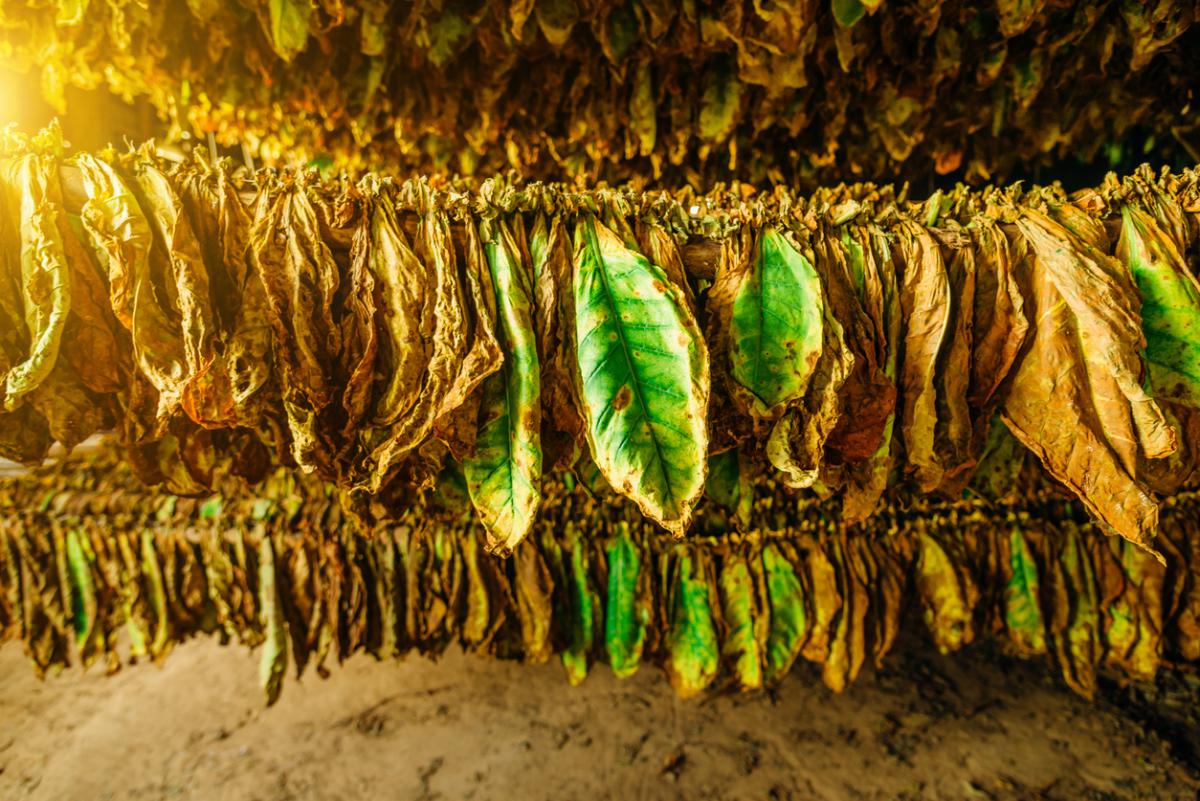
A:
{"points": [[626, 616], [273, 663], [44, 281], [1075, 398], [504, 473], [1170, 306], [642, 374], [773, 308]]}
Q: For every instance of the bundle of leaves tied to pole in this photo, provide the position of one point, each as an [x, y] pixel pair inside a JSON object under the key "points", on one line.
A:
{"points": [[802, 90], [852, 344], [94, 573]]}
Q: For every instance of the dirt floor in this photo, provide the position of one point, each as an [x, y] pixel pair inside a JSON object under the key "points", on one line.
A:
{"points": [[972, 726]]}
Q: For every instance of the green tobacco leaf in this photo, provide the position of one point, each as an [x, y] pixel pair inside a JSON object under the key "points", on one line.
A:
{"points": [[848, 12], [692, 638], [83, 591], [273, 663], [729, 484], [775, 325], [741, 646], [289, 26], [625, 619], [581, 612], [475, 625], [504, 474], [1170, 306], [163, 639], [789, 617], [1022, 609], [642, 376]]}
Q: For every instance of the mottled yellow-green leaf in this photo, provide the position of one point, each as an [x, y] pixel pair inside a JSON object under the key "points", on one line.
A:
{"points": [[776, 314], [694, 653], [1170, 306], [504, 473], [1022, 605], [740, 647], [642, 373]]}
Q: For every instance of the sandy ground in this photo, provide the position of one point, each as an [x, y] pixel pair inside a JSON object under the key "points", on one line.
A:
{"points": [[972, 726]]}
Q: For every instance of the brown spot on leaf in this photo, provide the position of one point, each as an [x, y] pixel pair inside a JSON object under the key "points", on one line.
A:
{"points": [[621, 400]]}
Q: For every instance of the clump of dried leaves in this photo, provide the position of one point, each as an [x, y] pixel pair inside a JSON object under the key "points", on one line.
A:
{"points": [[793, 90], [853, 343]]}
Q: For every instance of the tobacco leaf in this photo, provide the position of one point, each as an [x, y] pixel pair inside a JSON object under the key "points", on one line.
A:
{"points": [[730, 483], [626, 616], [1000, 326], [870, 261], [959, 435], [825, 601], [741, 599], [91, 345], [1073, 404], [286, 23], [1077, 644], [583, 615], [925, 297], [1170, 307], [847, 647], [121, 238], [273, 662], [533, 587], [444, 332], [642, 376], [948, 596], [482, 358], [796, 445], [84, 606], [869, 394], [43, 277], [1131, 607], [301, 281], [1023, 622], [359, 322], [504, 472], [161, 638], [771, 307], [1074, 246], [178, 272], [406, 338], [244, 357], [554, 311], [691, 640]]}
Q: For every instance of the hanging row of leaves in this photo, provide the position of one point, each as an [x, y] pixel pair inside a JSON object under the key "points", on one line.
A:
{"points": [[92, 573], [803, 90], [852, 341]]}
